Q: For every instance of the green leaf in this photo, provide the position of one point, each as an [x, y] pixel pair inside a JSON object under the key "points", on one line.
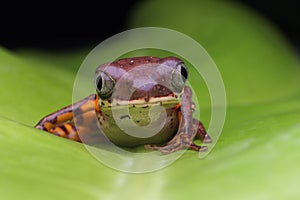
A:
{"points": [[31, 87], [255, 61], [256, 157]]}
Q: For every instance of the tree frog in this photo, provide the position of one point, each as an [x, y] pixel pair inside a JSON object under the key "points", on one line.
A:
{"points": [[135, 93]]}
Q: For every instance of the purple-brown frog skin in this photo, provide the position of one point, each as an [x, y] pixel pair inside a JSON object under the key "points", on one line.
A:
{"points": [[136, 85]]}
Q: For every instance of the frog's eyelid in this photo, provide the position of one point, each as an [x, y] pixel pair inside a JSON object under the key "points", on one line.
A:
{"points": [[108, 75], [180, 63]]}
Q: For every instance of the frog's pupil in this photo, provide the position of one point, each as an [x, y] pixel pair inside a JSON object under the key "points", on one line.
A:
{"points": [[184, 73], [99, 83]]}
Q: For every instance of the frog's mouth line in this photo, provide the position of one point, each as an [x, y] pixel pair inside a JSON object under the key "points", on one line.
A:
{"points": [[142, 102]]}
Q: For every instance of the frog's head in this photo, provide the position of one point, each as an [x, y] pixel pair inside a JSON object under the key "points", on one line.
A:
{"points": [[141, 80]]}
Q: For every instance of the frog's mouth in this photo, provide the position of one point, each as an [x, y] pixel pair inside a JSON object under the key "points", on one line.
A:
{"points": [[141, 102], [145, 101]]}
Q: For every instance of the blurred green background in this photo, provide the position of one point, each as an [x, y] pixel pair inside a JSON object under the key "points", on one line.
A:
{"points": [[256, 157]]}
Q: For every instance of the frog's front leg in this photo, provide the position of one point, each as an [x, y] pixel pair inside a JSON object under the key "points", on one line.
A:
{"points": [[61, 122], [187, 131]]}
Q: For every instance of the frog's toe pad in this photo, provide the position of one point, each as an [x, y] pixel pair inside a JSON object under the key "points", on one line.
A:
{"points": [[207, 139]]}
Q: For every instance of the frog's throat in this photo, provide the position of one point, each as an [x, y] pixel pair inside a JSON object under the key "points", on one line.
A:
{"points": [[141, 101]]}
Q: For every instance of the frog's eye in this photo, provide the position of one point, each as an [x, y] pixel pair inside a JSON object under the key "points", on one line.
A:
{"points": [[179, 77], [104, 84], [183, 71]]}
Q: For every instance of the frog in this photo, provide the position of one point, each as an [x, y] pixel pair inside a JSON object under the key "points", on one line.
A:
{"points": [[167, 89]]}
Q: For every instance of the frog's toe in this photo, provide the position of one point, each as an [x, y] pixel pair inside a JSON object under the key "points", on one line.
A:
{"points": [[151, 147], [167, 149], [201, 132], [198, 148], [40, 127]]}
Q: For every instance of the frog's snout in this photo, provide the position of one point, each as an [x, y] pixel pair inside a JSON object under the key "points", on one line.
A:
{"points": [[151, 90]]}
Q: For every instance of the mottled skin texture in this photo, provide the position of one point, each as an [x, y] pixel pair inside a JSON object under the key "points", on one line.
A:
{"points": [[142, 83]]}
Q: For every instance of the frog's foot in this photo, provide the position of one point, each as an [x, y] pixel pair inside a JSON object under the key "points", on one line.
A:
{"points": [[181, 140]]}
